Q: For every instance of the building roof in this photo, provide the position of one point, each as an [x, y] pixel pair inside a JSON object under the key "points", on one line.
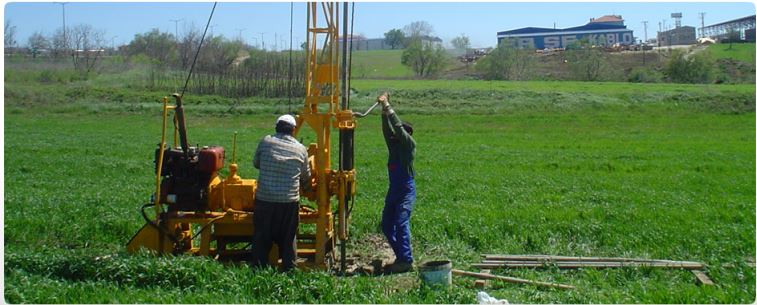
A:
{"points": [[734, 20], [586, 27], [607, 18]]}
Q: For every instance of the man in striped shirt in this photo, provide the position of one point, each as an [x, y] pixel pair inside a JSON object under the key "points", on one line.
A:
{"points": [[284, 170]]}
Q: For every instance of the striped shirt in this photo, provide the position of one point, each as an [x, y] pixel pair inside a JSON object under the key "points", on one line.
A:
{"points": [[284, 167]]}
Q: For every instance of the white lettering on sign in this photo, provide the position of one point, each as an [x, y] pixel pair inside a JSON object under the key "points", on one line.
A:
{"points": [[567, 40], [552, 42], [526, 43], [627, 37], [612, 39]]}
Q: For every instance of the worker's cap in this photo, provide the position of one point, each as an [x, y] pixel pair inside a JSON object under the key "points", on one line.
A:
{"points": [[287, 119]]}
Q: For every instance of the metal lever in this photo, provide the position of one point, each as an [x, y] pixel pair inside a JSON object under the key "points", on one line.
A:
{"points": [[360, 115]]}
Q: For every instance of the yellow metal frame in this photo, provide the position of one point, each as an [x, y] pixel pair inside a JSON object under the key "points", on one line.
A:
{"points": [[231, 199]]}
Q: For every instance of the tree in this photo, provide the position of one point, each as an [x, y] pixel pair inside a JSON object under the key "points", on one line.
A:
{"points": [[461, 42], [88, 44], [507, 62], [585, 62], [424, 59], [394, 38], [58, 44], [156, 45], [37, 42], [418, 29], [10, 35], [217, 54], [188, 46]]}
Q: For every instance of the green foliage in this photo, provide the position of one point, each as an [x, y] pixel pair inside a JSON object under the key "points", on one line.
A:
{"points": [[425, 59], [160, 47], [683, 68], [507, 62], [587, 63], [395, 38], [644, 75]]}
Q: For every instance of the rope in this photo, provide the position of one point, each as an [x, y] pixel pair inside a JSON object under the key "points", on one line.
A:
{"points": [[194, 61]]}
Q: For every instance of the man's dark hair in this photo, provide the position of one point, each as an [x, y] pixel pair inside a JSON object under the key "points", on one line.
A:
{"points": [[284, 127], [408, 127]]}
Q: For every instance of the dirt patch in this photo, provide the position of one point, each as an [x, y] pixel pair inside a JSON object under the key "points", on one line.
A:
{"points": [[369, 255]]}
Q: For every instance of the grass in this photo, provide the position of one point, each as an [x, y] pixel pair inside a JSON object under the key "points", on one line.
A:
{"points": [[738, 51], [568, 168], [379, 64]]}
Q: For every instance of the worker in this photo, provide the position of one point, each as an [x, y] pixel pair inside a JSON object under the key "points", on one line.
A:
{"points": [[400, 198], [284, 170]]}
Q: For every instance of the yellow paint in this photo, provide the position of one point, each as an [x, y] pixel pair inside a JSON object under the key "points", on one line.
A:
{"points": [[231, 200]]}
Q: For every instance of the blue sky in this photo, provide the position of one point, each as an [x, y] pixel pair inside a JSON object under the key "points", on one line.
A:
{"points": [[480, 21]]}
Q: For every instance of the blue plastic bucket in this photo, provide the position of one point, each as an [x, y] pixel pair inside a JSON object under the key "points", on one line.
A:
{"points": [[436, 273]]}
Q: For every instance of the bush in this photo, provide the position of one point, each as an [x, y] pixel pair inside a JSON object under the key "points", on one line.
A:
{"points": [[698, 68], [644, 75], [507, 62]]}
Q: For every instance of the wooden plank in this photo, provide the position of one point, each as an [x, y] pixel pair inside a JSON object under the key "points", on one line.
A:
{"points": [[510, 279], [481, 283], [548, 262], [702, 278], [572, 265], [506, 257]]}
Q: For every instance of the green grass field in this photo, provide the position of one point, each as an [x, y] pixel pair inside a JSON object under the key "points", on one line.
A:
{"points": [[738, 51], [566, 168], [379, 64]]}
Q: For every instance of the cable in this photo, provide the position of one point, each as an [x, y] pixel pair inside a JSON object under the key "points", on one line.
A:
{"points": [[194, 61], [349, 66], [289, 84]]}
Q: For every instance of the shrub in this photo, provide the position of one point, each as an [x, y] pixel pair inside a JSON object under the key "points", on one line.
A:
{"points": [[644, 75], [697, 68]]}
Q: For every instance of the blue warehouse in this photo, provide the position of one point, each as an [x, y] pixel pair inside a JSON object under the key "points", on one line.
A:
{"points": [[607, 31]]}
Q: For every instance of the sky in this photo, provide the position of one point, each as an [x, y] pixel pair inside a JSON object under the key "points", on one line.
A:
{"points": [[270, 21]]}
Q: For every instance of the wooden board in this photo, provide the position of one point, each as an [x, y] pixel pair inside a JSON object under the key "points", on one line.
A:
{"points": [[702, 278], [573, 265], [481, 283]]}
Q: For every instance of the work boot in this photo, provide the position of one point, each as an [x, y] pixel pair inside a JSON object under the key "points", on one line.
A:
{"points": [[398, 267]]}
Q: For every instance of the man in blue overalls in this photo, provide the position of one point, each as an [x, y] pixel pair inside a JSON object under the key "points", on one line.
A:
{"points": [[398, 205]]}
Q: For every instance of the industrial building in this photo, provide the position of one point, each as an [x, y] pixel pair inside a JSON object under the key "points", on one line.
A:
{"points": [[678, 36], [744, 27], [605, 31]]}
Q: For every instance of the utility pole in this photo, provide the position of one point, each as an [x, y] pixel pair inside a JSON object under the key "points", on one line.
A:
{"points": [[645, 30], [113, 43], [262, 41], [701, 30], [176, 27], [63, 6], [240, 33], [275, 41], [644, 51]]}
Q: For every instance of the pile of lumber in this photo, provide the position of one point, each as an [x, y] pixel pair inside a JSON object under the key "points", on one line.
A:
{"points": [[497, 261]]}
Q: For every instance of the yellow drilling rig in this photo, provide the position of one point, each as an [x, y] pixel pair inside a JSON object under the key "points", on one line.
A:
{"points": [[199, 212]]}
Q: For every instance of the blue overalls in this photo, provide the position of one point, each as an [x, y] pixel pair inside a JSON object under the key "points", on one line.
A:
{"points": [[398, 205]]}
